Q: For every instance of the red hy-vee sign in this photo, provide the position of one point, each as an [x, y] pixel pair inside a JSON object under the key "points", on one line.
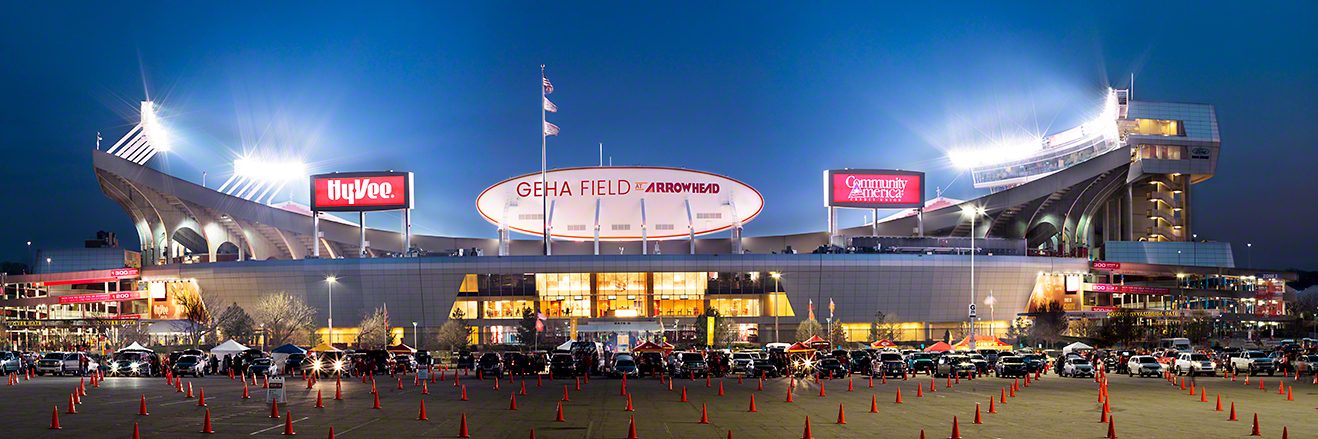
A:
{"points": [[361, 191]]}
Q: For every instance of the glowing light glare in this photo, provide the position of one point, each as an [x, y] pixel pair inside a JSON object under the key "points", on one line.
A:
{"points": [[267, 171], [155, 133], [970, 158]]}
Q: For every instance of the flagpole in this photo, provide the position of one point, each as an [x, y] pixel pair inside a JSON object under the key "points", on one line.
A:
{"points": [[544, 204]]}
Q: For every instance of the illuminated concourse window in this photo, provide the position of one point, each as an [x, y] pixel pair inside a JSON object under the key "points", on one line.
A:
{"points": [[564, 294], [736, 307], [1154, 127], [506, 309], [1169, 152], [468, 308], [620, 295], [679, 294]]}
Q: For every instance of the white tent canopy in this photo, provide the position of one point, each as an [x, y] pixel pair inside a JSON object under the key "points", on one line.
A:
{"points": [[133, 347], [228, 347], [567, 346], [1077, 346]]}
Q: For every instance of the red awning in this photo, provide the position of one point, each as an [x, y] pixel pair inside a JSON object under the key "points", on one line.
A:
{"points": [[939, 347], [883, 344]]}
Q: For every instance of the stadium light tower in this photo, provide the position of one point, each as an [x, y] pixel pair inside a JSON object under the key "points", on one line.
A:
{"points": [[145, 140], [253, 175], [973, 212]]}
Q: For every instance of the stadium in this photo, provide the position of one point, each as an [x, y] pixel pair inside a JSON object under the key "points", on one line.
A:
{"points": [[1097, 218]]}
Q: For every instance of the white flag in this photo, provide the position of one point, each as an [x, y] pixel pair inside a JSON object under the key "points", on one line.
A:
{"points": [[549, 88], [550, 107], [551, 129]]}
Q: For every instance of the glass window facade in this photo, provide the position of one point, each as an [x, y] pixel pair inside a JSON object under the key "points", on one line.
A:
{"points": [[621, 295], [468, 308], [736, 307], [506, 309]]}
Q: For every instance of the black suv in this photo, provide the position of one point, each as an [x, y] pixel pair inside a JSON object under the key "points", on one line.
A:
{"points": [[490, 365]]}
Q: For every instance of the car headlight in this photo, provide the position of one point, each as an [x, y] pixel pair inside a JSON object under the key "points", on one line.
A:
{"points": [[338, 365], [316, 365]]}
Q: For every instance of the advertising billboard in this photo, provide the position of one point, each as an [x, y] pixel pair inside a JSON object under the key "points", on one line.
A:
{"points": [[361, 191], [103, 297], [621, 201], [873, 188]]}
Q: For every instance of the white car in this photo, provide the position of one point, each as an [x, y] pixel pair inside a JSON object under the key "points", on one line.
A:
{"points": [[740, 360], [1143, 365], [1077, 367], [51, 363], [1194, 363]]}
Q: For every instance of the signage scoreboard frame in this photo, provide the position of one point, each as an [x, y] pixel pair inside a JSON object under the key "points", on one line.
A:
{"points": [[831, 184]]}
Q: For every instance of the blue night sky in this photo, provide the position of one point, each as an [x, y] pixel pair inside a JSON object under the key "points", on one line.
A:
{"points": [[759, 91]]}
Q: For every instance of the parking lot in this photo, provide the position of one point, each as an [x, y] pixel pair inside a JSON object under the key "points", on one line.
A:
{"points": [[1053, 406]]}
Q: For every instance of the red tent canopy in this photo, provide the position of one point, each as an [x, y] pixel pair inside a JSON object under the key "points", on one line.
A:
{"points": [[799, 347], [938, 347], [401, 349], [652, 347], [813, 340], [982, 342], [883, 344]]}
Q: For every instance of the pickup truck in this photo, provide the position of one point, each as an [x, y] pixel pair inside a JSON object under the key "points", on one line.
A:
{"points": [[1253, 362], [1194, 363]]}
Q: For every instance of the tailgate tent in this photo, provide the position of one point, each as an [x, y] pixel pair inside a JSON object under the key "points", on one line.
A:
{"points": [[323, 348], [982, 342], [228, 347], [401, 349], [883, 344], [938, 347], [566, 346], [281, 353], [1077, 346], [133, 347]]}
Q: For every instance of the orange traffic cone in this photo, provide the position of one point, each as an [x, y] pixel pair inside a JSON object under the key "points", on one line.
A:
{"points": [[559, 418], [76, 398], [760, 386], [1003, 398], [899, 396], [1261, 385], [874, 404], [496, 385], [456, 380], [245, 395], [871, 380], [578, 383], [424, 392], [977, 420], [331, 435], [821, 390], [73, 409], [1289, 396], [1281, 388], [631, 429], [425, 389], [178, 386], [513, 404], [54, 419], [683, 394], [1233, 412], [537, 378], [1102, 415], [462, 428], [992, 408], [850, 385], [933, 385], [274, 409], [319, 404], [338, 391], [288, 423], [919, 390], [135, 434], [464, 393], [1192, 392], [1285, 434], [707, 382], [206, 424], [704, 418], [720, 388], [956, 429], [1219, 402], [201, 399], [565, 397], [629, 403], [1255, 432], [422, 415], [377, 402], [1111, 428], [1203, 394], [841, 415], [807, 429], [789, 394]]}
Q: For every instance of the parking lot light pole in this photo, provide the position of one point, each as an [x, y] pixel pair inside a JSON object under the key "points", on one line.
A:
{"points": [[974, 213], [414, 345], [776, 296], [329, 282]]}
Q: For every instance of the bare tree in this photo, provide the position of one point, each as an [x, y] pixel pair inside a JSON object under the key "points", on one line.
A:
{"points": [[808, 328], [282, 315], [884, 327], [455, 333], [1050, 323], [134, 333], [371, 333], [837, 334]]}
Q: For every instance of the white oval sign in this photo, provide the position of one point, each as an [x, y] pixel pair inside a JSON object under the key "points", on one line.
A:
{"points": [[624, 199]]}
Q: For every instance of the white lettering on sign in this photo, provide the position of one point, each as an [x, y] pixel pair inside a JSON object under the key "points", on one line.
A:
{"points": [[359, 189]]}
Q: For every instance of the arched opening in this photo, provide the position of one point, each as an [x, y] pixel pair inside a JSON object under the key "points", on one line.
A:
{"points": [[1040, 234], [227, 251], [192, 245]]}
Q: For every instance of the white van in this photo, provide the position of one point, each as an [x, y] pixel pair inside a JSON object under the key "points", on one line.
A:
{"points": [[1180, 344]]}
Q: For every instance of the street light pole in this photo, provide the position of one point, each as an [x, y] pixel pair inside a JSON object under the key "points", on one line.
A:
{"points": [[414, 344], [974, 212], [329, 282], [776, 295]]}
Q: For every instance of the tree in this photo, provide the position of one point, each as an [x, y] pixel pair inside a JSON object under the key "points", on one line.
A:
{"points": [[134, 333], [722, 329], [282, 315], [837, 334], [454, 333], [1049, 323], [1018, 330], [1086, 329], [237, 325], [526, 333], [809, 328], [14, 268], [192, 307], [372, 333], [1120, 328], [884, 327]]}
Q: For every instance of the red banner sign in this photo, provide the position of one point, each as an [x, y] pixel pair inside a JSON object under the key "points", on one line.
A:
{"points": [[103, 297], [883, 189], [1131, 289], [361, 191], [1100, 265]]}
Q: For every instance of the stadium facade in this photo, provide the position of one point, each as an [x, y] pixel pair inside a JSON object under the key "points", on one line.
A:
{"points": [[1120, 181]]}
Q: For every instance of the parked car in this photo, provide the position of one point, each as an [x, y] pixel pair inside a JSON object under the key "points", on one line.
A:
{"points": [[51, 363], [464, 360], [563, 365], [189, 365], [333, 363], [135, 363], [887, 364], [1253, 362], [920, 362], [295, 363], [1305, 364], [982, 365], [990, 355], [262, 366], [623, 365], [1077, 367], [741, 361], [490, 365], [690, 364], [1143, 365], [761, 367], [1010, 366], [517, 363], [539, 362], [831, 368], [10, 362], [954, 364], [860, 361], [650, 363], [1194, 363]]}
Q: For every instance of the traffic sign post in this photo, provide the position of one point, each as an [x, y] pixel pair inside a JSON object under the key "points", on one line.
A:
{"points": [[972, 311]]}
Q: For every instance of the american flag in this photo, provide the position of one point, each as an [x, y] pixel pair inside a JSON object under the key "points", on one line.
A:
{"points": [[551, 129], [550, 107], [549, 88]]}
